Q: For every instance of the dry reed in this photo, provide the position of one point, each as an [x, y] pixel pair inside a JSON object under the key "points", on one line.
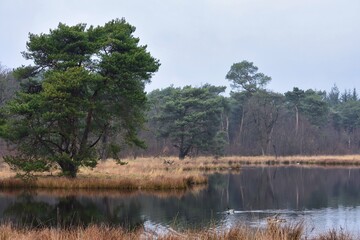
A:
{"points": [[162, 173], [335, 235], [108, 175], [271, 232], [8, 232]]}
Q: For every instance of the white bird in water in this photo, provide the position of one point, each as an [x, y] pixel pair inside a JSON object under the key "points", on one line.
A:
{"points": [[230, 211]]}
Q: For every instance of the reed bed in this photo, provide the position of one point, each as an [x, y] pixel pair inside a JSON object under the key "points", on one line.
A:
{"points": [[161, 173], [236, 162], [335, 235], [157, 183], [271, 232], [8, 232], [109, 175]]}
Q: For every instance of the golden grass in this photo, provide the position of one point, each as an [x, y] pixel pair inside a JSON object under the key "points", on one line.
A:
{"points": [[236, 162], [334, 235], [8, 232], [271, 232], [162, 173], [135, 175]]}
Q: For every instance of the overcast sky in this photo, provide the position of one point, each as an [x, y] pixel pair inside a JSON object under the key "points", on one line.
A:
{"points": [[303, 43]]}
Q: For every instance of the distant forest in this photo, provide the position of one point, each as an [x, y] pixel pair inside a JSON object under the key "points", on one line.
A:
{"points": [[191, 121]]}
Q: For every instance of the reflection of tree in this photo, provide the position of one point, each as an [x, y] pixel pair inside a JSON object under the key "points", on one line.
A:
{"points": [[27, 212], [253, 189], [128, 216], [70, 212], [294, 188]]}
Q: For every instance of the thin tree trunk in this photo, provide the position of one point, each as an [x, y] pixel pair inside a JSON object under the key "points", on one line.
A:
{"points": [[241, 125], [268, 140], [227, 129], [297, 120]]}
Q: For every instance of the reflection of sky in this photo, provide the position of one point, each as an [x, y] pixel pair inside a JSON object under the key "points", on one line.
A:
{"points": [[345, 218], [315, 221]]}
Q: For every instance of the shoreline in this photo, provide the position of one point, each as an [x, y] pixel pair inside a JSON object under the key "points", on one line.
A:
{"points": [[162, 173]]}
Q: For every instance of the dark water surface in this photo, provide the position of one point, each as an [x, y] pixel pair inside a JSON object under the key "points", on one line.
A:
{"points": [[323, 198]]}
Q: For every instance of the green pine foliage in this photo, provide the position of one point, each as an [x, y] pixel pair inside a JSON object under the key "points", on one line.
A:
{"points": [[86, 85], [189, 117]]}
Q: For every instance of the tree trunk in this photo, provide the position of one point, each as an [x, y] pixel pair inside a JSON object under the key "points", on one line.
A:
{"points": [[227, 129], [68, 169], [183, 152], [268, 139], [182, 155], [297, 120], [241, 125]]}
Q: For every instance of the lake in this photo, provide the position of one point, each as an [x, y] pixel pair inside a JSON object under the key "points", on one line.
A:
{"points": [[322, 198]]}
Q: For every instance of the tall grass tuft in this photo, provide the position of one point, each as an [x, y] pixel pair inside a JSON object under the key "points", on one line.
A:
{"points": [[334, 235]]}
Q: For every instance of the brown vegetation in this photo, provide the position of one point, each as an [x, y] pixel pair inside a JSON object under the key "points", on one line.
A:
{"points": [[271, 232], [137, 174], [91, 232], [161, 173]]}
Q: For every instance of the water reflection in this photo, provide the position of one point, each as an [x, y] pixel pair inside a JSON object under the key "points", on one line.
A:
{"points": [[324, 197], [34, 211], [293, 188]]}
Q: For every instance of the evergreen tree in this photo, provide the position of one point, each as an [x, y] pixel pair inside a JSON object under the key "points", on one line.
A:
{"points": [[85, 82]]}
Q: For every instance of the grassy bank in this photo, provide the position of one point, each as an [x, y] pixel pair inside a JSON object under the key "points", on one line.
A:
{"points": [[271, 232], [236, 162], [136, 175], [162, 173]]}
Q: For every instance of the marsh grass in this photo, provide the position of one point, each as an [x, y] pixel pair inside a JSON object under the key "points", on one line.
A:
{"points": [[8, 232], [236, 162], [335, 235], [162, 173], [136, 175], [271, 232], [156, 183]]}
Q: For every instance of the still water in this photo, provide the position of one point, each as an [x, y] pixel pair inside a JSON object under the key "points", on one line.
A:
{"points": [[321, 198]]}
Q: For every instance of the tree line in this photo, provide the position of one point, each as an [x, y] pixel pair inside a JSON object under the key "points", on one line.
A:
{"points": [[84, 99], [252, 120]]}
